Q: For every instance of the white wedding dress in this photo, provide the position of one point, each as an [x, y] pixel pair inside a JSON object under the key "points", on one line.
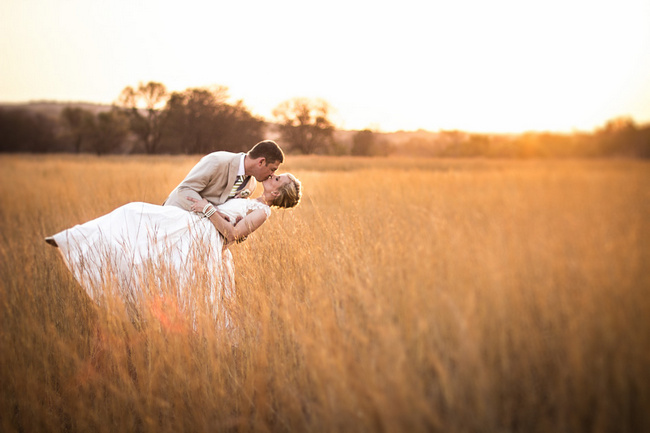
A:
{"points": [[142, 251]]}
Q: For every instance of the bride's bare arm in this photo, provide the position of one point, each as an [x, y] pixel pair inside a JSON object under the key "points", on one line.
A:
{"points": [[243, 228], [231, 232]]}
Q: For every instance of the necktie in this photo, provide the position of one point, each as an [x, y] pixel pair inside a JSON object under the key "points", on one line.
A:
{"points": [[239, 183]]}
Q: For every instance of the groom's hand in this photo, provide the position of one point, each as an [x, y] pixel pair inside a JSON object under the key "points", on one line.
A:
{"points": [[197, 205]]}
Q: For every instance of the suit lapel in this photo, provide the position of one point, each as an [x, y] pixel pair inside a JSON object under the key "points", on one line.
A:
{"points": [[233, 168]]}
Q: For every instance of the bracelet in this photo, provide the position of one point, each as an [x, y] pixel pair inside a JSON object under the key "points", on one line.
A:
{"points": [[210, 212], [206, 207]]}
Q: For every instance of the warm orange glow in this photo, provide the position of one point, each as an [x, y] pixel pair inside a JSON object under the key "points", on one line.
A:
{"points": [[169, 315]]}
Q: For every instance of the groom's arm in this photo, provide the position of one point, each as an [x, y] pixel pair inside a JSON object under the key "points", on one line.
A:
{"points": [[194, 183]]}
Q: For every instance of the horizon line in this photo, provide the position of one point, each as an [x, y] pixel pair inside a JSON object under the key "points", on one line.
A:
{"points": [[638, 123]]}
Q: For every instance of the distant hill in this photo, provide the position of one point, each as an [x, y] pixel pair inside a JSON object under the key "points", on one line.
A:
{"points": [[54, 108]]}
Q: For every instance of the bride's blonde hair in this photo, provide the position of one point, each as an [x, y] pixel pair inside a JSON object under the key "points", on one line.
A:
{"points": [[290, 193]]}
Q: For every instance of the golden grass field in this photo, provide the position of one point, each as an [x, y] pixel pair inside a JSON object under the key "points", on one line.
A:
{"points": [[402, 295]]}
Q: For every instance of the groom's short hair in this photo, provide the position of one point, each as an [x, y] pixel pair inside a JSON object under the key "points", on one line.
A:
{"points": [[269, 150]]}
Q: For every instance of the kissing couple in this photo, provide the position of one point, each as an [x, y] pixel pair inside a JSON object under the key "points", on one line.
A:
{"points": [[180, 249]]}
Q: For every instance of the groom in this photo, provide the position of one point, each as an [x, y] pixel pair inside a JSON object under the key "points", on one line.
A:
{"points": [[221, 175]]}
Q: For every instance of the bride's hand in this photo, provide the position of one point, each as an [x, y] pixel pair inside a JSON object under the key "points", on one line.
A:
{"points": [[197, 205]]}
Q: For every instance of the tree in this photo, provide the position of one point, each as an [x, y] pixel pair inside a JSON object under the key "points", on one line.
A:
{"points": [[362, 143], [366, 143], [24, 131], [617, 137], [236, 129], [78, 123], [451, 142], [304, 124], [109, 131], [475, 145], [189, 118], [200, 120], [149, 99]]}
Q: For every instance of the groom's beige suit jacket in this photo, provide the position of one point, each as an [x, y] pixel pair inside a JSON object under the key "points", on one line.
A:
{"points": [[212, 178]]}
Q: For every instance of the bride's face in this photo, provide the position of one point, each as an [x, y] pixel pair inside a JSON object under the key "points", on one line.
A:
{"points": [[274, 182]]}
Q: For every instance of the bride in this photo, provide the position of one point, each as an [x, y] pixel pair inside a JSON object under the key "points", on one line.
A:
{"points": [[142, 251]]}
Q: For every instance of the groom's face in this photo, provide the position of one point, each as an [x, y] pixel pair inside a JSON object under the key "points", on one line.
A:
{"points": [[263, 170]]}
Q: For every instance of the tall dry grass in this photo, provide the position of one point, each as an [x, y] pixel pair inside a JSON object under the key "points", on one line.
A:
{"points": [[401, 295]]}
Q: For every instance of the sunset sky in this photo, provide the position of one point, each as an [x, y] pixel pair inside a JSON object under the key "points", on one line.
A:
{"points": [[474, 65]]}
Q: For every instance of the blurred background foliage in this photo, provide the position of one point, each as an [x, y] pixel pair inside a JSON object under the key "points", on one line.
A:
{"points": [[148, 119]]}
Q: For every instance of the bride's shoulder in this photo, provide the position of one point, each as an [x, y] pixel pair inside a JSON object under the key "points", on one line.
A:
{"points": [[254, 205], [243, 206]]}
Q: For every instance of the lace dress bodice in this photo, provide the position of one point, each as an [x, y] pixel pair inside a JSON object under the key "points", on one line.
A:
{"points": [[240, 207]]}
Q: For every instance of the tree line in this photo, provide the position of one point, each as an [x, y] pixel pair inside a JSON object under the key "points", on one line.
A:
{"points": [[619, 137], [150, 119]]}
